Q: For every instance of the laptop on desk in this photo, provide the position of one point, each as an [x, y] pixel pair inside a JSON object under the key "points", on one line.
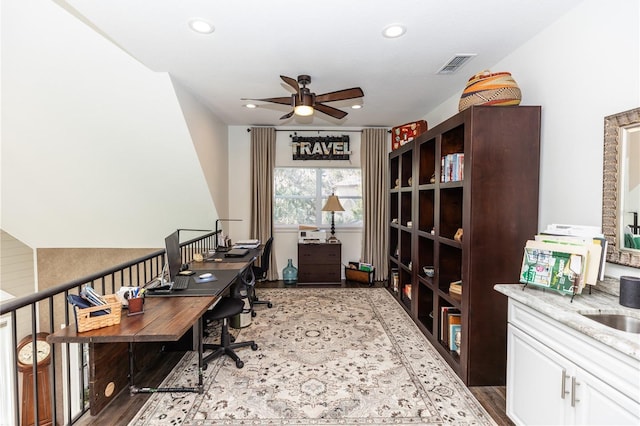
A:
{"points": [[237, 252]]}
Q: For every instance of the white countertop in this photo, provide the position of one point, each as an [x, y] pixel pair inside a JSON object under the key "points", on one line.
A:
{"points": [[562, 309]]}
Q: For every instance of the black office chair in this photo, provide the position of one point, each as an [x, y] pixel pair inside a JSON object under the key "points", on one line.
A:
{"points": [[260, 273], [227, 308]]}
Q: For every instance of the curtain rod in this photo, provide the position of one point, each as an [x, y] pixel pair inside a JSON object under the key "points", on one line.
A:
{"points": [[322, 130]]}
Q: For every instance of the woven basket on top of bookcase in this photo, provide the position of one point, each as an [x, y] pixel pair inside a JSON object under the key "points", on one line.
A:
{"points": [[486, 88]]}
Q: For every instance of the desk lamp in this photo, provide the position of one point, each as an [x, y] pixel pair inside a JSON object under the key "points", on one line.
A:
{"points": [[333, 205]]}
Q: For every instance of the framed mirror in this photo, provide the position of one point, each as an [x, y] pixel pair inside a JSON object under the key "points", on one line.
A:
{"points": [[621, 187]]}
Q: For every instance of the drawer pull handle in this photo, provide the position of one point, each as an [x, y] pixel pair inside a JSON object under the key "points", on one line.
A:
{"points": [[574, 384], [563, 387]]}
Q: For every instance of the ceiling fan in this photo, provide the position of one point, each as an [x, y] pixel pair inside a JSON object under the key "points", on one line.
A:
{"points": [[304, 102]]}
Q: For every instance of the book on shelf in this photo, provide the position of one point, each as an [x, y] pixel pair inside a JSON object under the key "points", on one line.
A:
{"points": [[452, 167], [453, 318], [394, 280], [446, 313], [454, 337]]}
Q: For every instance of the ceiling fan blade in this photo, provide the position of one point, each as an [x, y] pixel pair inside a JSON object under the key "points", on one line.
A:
{"points": [[340, 95], [291, 82], [333, 112], [284, 117], [282, 101]]}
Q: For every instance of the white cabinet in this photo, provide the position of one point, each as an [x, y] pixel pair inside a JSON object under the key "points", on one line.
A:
{"points": [[548, 377]]}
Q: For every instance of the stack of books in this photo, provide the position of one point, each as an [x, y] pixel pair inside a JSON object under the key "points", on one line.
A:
{"points": [[564, 258], [455, 288], [450, 324]]}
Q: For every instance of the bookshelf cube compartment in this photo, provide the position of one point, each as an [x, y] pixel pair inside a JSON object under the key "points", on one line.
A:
{"points": [[449, 321], [425, 306], [426, 210], [449, 268], [425, 256], [450, 212], [394, 172], [405, 287], [406, 171], [394, 280], [394, 212], [427, 166], [394, 245], [405, 208], [405, 248], [452, 141]]}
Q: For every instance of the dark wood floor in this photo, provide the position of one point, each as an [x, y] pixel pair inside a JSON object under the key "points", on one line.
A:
{"points": [[124, 407]]}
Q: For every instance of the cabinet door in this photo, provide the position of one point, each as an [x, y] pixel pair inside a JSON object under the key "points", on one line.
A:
{"points": [[535, 376], [597, 403]]}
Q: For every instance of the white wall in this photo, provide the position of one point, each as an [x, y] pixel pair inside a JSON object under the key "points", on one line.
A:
{"points": [[580, 69], [95, 148], [285, 241]]}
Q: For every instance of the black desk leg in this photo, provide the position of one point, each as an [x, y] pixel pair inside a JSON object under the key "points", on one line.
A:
{"points": [[199, 330]]}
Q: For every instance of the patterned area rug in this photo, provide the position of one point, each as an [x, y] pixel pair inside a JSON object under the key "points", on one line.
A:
{"points": [[325, 357]]}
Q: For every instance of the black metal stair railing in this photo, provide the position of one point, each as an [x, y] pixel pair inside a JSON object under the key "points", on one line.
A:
{"points": [[46, 308]]}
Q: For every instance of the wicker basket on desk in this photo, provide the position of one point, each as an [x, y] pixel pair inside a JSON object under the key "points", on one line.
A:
{"points": [[86, 322]]}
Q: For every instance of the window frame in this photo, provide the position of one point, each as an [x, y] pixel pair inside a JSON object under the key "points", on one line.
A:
{"points": [[319, 201]]}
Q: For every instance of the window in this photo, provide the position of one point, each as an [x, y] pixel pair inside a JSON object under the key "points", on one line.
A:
{"points": [[300, 194]]}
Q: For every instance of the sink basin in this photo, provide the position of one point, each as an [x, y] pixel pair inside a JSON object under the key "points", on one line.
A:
{"points": [[617, 321]]}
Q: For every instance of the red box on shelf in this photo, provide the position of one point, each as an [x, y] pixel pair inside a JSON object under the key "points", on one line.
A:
{"points": [[400, 135]]}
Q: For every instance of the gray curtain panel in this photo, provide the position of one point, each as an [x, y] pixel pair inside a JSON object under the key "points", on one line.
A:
{"points": [[263, 160], [375, 235]]}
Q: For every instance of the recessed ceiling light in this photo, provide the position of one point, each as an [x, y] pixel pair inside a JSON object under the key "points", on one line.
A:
{"points": [[201, 26], [251, 106], [393, 31], [356, 106]]}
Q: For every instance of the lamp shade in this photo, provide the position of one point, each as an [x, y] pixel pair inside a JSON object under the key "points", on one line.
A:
{"points": [[333, 204]]}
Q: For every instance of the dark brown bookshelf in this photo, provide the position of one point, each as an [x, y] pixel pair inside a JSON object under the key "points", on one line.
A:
{"points": [[496, 205]]}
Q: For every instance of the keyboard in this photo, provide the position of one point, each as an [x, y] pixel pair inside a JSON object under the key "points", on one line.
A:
{"points": [[181, 282]]}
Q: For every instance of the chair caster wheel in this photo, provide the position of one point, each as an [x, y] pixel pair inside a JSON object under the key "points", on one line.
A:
{"points": [[254, 347], [232, 338], [204, 367], [239, 364], [253, 313], [269, 305]]}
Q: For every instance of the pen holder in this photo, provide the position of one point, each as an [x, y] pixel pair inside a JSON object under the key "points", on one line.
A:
{"points": [[136, 306]]}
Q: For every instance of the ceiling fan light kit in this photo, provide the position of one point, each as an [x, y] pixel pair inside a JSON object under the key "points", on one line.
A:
{"points": [[303, 110], [304, 103]]}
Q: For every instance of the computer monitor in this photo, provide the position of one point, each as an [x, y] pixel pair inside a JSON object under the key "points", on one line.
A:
{"points": [[174, 257]]}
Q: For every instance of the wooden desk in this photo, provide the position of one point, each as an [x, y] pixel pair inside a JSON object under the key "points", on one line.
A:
{"points": [[164, 319], [319, 263]]}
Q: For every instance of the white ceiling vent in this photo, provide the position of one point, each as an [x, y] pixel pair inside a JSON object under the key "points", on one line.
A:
{"points": [[455, 63]]}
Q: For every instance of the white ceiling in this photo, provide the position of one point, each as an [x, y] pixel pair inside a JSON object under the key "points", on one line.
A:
{"points": [[338, 42]]}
